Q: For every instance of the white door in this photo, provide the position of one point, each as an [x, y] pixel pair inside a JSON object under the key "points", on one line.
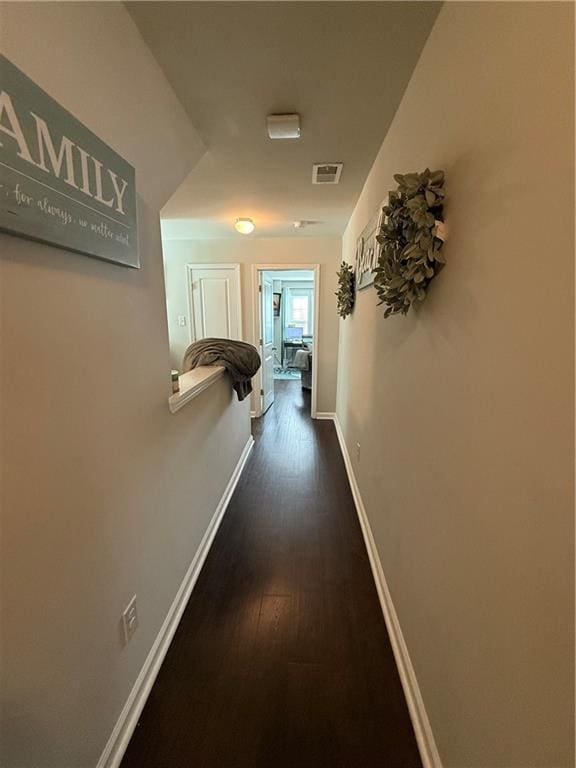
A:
{"points": [[214, 291], [267, 341]]}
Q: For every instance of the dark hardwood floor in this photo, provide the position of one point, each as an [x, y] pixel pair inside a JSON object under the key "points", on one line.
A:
{"points": [[282, 657]]}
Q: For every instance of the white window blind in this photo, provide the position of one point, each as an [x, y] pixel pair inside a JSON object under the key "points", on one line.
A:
{"points": [[300, 309]]}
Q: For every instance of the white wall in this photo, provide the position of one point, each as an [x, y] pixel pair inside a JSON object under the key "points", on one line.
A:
{"points": [[246, 251], [464, 409], [105, 493]]}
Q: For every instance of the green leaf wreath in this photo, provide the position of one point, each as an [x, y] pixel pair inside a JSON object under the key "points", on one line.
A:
{"points": [[346, 290], [411, 237]]}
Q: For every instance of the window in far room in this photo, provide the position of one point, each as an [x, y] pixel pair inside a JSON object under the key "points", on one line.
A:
{"points": [[300, 310]]}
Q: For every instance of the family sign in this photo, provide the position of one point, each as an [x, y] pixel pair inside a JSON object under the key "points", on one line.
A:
{"points": [[59, 183]]}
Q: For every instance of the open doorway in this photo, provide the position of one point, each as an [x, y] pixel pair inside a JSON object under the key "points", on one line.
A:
{"points": [[285, 312]]}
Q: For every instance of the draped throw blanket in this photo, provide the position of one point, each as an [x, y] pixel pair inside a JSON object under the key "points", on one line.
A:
{"points": [[241, 360], [302, 360]]}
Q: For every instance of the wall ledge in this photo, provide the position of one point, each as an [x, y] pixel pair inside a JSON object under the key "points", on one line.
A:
{"points": [[192, 383]]}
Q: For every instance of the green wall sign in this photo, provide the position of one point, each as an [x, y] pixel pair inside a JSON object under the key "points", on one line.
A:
{"points": [[59, 183]]}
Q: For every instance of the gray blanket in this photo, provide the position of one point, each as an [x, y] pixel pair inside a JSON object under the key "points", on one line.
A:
{"points": [[241, 360], [302, 360]]}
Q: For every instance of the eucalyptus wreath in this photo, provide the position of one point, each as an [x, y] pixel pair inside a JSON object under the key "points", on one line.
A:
{"points": [[346, 288], [411, 237]]}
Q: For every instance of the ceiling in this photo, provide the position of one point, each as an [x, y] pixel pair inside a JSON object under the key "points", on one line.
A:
{"points": [[343, 66]]}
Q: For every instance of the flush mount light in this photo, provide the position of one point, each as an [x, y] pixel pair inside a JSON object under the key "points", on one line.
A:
{"points": [[244, 226], [283, 126]]}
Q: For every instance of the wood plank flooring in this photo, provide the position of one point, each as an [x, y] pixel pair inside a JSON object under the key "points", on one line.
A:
{"points": [[282, 657]]}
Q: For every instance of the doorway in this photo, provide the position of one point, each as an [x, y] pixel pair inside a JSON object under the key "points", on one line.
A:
{"points": [[285, 312]]}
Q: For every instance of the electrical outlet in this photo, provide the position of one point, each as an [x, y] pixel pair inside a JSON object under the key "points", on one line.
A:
{"points": [[182, 320], [130, 620], [357, 451]]}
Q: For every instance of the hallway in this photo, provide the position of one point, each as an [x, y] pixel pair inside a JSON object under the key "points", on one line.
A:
{"points": [[282, 656]]}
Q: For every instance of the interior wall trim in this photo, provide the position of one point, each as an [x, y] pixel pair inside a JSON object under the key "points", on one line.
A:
{"points": [[126, 723], [325, 415], [420, 721]]}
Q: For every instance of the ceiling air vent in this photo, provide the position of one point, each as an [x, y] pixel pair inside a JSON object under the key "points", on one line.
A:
{"points": [[326, 173]]}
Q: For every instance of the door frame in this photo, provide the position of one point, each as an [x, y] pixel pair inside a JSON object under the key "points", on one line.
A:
{"points": [[256, 329], [211, 265], [265, 279]]}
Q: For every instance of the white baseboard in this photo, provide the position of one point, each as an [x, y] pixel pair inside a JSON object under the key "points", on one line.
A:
{"points": [[325, 415], [120, 736], [420, 722]]}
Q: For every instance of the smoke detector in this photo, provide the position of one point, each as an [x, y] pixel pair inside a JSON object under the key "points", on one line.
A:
{"points": [[283, 126], [326, 173]]}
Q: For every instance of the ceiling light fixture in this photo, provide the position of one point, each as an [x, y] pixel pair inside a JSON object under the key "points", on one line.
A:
{"points": [[244, 226]]}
